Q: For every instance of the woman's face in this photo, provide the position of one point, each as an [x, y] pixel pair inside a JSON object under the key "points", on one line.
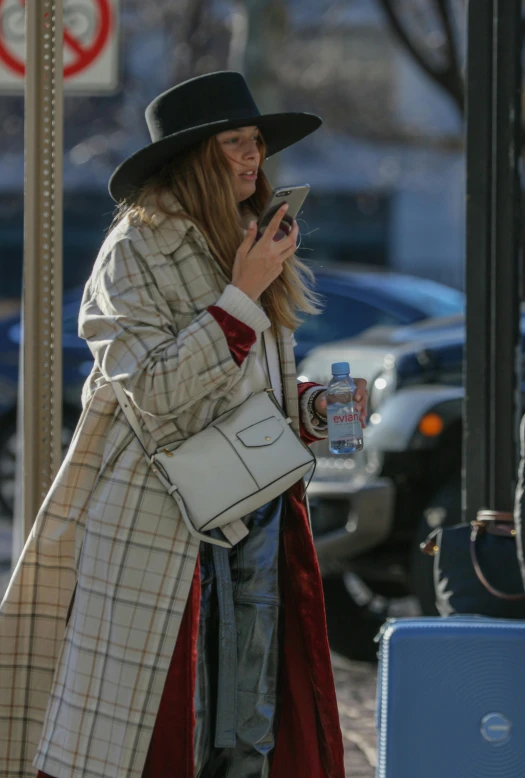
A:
{"points": [[241, 149]]}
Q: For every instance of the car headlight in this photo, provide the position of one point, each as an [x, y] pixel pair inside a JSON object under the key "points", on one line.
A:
{"points": [[382, 387]]}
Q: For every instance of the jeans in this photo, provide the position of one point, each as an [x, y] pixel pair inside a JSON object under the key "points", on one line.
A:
{"points": [[237, 695]]}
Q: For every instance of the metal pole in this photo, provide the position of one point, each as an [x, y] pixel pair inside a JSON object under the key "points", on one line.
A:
{"points": [[41, 348], [505, 259], [479, 156], [492, 268]]}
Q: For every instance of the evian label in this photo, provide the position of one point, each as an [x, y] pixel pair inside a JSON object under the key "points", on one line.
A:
{"points": [[343, 422]]}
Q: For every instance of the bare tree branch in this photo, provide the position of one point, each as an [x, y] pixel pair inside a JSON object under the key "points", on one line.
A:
{"points": [[445, 14], [446, 77], [239, 36]]}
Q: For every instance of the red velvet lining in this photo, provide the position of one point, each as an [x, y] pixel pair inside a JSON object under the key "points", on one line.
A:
{"points": [[239, 335], [171, 748], [309, 742], [307, 661]]}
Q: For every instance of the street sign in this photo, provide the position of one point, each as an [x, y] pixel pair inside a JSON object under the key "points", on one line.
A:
{"points": [[90, 45]]}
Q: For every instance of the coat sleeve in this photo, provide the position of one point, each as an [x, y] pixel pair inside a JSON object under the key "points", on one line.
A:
{"points": [[130, 329]]}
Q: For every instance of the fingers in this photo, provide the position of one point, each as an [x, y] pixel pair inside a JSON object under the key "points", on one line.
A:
{"points": [[361, 399], [288, 246], [249, 239], [273, 226], [361, 390]]}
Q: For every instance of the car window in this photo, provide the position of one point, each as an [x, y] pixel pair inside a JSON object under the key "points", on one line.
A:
{"points": [[70, 320], [429, 297], [343, 317]]}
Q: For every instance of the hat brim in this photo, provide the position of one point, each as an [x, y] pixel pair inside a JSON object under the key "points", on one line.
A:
{"points": [[279, 131]]}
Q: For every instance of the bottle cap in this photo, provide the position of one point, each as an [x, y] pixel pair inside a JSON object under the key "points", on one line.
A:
{"points": [[340, 368]]}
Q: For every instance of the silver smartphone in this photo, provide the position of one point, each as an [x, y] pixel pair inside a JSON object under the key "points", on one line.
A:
{"points": [[295, 197]]}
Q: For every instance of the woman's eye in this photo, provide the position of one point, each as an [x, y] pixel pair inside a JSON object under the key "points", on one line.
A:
{"points": [[231, 141]]}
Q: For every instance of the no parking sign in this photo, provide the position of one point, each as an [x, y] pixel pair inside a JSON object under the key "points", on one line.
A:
{"points": [[90, 45]]}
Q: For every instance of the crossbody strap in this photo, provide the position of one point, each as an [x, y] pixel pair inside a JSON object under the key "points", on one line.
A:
{"points": [[277, 380], [273, 377]]}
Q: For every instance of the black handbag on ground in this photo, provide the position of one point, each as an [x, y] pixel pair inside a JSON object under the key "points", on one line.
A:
{"points": [[476, 568]]}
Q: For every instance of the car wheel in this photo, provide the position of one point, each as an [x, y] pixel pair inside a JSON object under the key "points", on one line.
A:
{"points": [[8, 449], [355, 614], [444, 509], [351, 627]]}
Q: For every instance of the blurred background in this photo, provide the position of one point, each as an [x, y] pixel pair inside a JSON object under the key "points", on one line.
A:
{"points": [[383, 226], [386, 170]]}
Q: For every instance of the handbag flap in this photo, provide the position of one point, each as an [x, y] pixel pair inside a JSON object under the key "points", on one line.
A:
{"points": [[263, 433]]}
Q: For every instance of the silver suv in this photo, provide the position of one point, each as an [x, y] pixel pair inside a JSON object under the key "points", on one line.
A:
{"points": [[370, 511]]}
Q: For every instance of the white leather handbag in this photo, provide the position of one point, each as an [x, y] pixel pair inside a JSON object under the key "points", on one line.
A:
{"points": [[242, 460]]}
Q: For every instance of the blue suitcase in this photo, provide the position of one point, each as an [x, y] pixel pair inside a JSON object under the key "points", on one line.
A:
{"points": [[451, 698]]}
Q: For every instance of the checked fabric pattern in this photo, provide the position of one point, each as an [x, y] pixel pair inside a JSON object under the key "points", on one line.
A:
{"points": [[108, 546]]}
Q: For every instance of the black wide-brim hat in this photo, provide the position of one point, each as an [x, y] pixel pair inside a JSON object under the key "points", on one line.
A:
{"points": [[195, 110]]}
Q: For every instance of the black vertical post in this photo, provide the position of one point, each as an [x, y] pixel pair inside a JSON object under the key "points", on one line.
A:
{"points": [[492, 268]]}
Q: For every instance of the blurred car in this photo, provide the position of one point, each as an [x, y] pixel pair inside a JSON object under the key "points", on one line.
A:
{"points": [[353, 300], [370, 511]]}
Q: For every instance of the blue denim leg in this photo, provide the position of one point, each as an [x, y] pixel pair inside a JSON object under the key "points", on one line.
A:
{"points": [[253, 704]]}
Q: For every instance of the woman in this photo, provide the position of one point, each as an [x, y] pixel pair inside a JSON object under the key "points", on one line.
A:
{"points": [[106, 669]]}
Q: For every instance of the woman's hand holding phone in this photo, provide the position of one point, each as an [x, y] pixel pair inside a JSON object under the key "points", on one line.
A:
{"points": [[259, 262]]}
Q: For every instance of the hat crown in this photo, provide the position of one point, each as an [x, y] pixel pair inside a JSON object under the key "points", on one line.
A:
{"points": [[214, 97]]}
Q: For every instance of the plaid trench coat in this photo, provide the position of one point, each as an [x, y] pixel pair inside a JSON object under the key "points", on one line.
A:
{"points": [[89, 622]]}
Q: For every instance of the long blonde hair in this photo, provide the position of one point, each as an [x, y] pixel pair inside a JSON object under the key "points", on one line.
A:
{"points": [[200, 179]]}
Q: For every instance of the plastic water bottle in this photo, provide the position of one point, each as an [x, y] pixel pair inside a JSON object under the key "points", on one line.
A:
{"points": [[345, 434]]}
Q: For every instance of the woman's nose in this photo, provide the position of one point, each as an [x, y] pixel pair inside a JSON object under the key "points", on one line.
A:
{"points": [[252, 151]]}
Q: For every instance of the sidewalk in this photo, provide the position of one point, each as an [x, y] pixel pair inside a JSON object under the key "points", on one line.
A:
{"points": [[355, 684]]}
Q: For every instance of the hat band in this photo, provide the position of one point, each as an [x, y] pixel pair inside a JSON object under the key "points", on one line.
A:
{"points": [[198, 123]]}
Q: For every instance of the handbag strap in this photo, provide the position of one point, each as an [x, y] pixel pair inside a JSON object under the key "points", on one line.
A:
{"points": [[131, 416], [274, 378], [486, 515], [277, 380], [487, 520], [430, 547]]}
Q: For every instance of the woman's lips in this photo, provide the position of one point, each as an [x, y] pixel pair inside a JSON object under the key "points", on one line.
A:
{"points": [[250, 175]]}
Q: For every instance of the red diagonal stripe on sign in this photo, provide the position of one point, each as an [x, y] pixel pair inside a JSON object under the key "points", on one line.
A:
{"points": [[68, 38], [72, 42], [85, 54]]}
